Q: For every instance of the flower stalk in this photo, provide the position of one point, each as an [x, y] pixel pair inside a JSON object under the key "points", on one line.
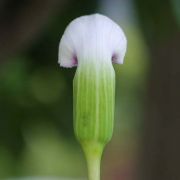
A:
{"points": [[94, 81], [93, 152]]}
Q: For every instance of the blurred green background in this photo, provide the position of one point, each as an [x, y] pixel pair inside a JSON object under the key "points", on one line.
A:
{"points": [[36, 122]]}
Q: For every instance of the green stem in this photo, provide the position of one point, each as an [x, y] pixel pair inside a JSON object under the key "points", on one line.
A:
{"points": [[93, 153]]}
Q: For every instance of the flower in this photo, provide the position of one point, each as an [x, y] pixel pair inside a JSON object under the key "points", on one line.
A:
{"points": [[93, 43], [90, 38]]}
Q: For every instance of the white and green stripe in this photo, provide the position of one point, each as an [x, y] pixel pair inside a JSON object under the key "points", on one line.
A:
{"points": [[94, 91]]}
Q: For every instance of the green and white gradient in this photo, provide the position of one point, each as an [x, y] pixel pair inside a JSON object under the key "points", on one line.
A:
{"points": [[94, 103], [93, 92], [92, 43]]}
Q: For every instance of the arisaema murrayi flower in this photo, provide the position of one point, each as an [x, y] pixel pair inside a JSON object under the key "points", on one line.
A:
{"points": [[93, 43]]}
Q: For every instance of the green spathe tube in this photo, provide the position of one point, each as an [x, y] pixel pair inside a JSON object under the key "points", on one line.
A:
{"points": [[93, 92], [85, 44], [94, 103]]}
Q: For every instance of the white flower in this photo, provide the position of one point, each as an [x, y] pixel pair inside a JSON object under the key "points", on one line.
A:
{"points": [[92, 38], [92, 43]]}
